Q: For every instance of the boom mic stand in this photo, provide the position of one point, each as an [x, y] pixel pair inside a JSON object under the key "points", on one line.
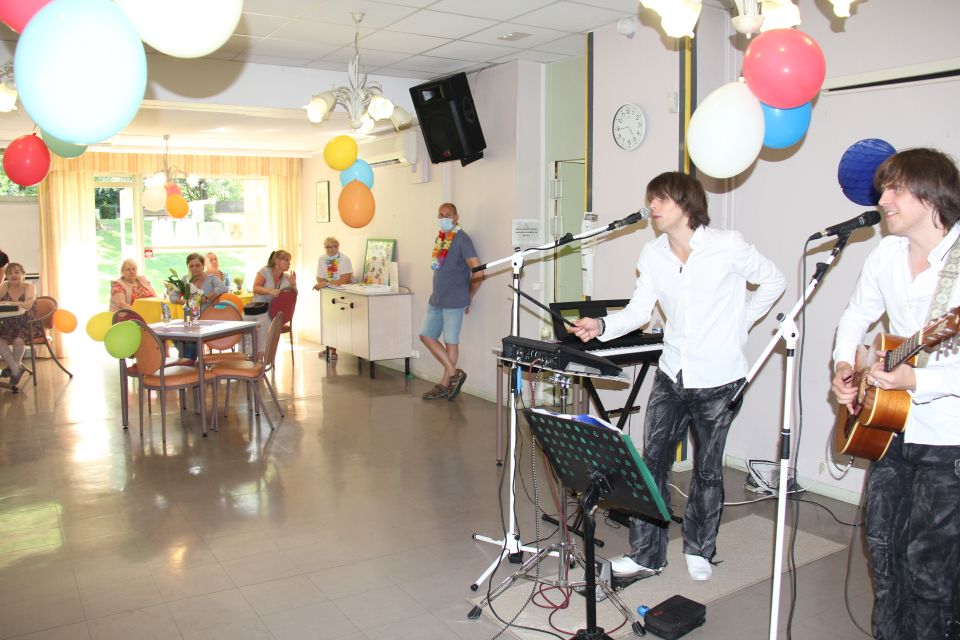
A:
{"points": [[789, 332], [511, 545]]}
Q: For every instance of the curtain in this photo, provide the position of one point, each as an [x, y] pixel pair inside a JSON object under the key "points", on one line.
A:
{"points": [[68, 250]]}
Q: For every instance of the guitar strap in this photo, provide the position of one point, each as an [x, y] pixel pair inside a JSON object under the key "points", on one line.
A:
{"points": [[941, 297]]}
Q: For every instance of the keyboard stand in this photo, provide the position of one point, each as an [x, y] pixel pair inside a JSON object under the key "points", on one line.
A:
{"points": [[625, 411]]}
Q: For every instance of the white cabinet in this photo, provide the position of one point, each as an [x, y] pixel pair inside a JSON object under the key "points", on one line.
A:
{"points": [[371, 326]]}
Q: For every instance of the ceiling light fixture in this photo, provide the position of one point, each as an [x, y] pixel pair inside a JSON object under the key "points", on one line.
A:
{"points": [[363, 100], [168, 174], [755, 16], [8, 90], [677, 17]]}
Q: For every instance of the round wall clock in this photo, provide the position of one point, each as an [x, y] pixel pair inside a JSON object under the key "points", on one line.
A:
{"points": [[629, 126]]}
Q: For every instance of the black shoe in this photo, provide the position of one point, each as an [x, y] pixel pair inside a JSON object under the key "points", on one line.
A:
{"points": [[15, 380], [456, 384]]}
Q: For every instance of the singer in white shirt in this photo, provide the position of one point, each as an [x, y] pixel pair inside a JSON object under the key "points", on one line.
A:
{"points": [[913, 492], [699, 277]]}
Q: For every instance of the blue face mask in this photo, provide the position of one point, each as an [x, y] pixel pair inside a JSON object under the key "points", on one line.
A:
{"points": [[446, 225]]}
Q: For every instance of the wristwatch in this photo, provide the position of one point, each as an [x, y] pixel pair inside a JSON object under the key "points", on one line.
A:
{"points": [[603, 326]]}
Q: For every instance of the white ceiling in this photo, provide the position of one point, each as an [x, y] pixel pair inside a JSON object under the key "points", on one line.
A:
{"points": [[417, 39]]}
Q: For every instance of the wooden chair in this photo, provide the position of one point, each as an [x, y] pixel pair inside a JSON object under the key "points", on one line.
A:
{"points": [[285, 303], [222, 348], [43, 310], [251, 372], [155, 373]]}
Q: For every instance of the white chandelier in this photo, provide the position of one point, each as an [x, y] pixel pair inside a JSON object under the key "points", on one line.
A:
{"points": [[8, 90], [362, 99], [679, 17]]}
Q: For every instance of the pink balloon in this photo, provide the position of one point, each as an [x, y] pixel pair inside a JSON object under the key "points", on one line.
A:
{"points": [[27, 160], [173, 189], [17, 13], [784, 68]]}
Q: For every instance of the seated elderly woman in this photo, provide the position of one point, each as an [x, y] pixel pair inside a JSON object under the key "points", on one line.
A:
{"points": [[129, 287], [15, 332], [198, 280]]}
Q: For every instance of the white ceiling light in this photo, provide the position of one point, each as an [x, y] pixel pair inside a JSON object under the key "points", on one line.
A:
{"points": [[755, 16], [677, 17], [8, 90], [362, 99], [841, 8]]}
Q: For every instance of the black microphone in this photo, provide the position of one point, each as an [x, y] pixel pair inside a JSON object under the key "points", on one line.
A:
{"points": [[640, 214], [865, 219]]}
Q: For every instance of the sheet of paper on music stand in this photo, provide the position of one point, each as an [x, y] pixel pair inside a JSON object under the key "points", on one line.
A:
{"points": [[587, 252], [526, 232]]}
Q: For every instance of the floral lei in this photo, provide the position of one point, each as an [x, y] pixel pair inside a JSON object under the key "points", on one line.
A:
{"points": [[442, 246], [333, 265]]}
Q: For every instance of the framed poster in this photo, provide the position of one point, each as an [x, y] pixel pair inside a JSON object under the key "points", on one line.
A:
{"points": [[323, 201], [376, 261]]}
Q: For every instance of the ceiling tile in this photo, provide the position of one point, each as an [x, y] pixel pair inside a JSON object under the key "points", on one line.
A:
{"points": [[276, 48], [429, 63], [406, 73], [236, 44], [532, 55], [370, 57], [537, 35], [409, 3], [435, 23], [254, 24], [278, 61], [575, 45], [472, 51], [627, 7], [376, 15], [324, 33], [285, 8], [572, 17], [401, 42], [493, 9]]}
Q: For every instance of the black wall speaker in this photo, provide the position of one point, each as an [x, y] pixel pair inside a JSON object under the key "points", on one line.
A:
{"points": [[448, 120]]}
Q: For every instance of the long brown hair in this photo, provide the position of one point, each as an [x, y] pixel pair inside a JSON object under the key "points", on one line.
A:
{"points": [[686, 191]]}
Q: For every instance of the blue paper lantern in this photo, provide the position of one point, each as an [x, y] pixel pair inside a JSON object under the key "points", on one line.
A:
{"points": [[81, 70], [858, 165], [359, 170], [785, 127]]}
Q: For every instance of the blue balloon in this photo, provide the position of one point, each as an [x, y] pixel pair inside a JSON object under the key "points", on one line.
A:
{"points": [[81, 70], [785, 127], [359, 170], [857, 166]]}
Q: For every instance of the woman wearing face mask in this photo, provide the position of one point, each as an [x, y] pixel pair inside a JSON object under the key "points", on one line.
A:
{"points": [[332, 268]]}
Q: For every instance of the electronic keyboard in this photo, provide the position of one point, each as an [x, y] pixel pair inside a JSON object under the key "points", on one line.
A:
{"points": [[557, 356]]}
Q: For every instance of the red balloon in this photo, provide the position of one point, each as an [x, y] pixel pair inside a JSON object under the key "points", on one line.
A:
{"points": [[27, 160], [17, 13], [784, 68], [356, 205], [173, 189]]}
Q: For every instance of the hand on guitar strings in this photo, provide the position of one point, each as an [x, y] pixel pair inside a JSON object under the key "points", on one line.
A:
{"points": [[843, 386], [903, 378]]}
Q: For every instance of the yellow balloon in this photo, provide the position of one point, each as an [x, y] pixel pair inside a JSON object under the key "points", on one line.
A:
{"points": [[98, 325], [340, 153]]}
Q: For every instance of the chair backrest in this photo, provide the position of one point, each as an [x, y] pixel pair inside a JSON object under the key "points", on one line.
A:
{"points": [[150, 355], [127, 314], [43, 310], [273, 339], [284, 303], [223, 311]]}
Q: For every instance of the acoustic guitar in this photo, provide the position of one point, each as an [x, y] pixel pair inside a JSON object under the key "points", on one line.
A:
{"points": [[879, 414]]}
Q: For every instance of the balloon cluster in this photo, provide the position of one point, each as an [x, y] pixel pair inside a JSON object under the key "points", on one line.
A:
{"points": [[356, 203], [157, 196], [783, 69], [61, 41], [121, 340]]}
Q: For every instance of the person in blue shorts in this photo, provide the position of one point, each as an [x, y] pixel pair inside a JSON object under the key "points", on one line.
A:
{"points": [[454, 285]]}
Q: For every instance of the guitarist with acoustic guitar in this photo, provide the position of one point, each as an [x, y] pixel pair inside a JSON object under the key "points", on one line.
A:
{"points": [[913, 488]]}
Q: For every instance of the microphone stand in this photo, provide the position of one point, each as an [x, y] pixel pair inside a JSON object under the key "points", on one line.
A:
{"points": [[790, 333], [511, 545]]}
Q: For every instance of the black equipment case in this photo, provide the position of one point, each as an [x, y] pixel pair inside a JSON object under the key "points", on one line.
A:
{"points": [[675, 617]]}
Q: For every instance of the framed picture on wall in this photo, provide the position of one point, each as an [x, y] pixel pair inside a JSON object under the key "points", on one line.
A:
{"points": [[376, 261], [323, 201]]}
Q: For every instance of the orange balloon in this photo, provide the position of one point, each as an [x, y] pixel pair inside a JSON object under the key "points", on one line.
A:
{"points": [[64, 321], [230, 297], [177, 206], [356, 204]]}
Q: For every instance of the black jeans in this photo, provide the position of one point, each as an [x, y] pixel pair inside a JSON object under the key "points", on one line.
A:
{"points": [[671, 411], [913, 534]]}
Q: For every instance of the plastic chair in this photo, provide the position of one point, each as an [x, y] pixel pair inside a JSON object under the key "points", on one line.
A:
{"points": [[155, 373], [127, 371], [285, 303], [43, 310], [251, 372], [222, 348]]}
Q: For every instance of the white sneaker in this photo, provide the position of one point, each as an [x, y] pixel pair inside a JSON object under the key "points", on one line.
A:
{"points": [[625, 567], [698, 567]]}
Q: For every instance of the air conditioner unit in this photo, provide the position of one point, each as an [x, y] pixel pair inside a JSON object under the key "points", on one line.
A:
{"points": [[395, 149]]}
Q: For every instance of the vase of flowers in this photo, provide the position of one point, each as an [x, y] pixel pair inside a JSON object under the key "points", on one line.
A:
{"points": [[238, 280], [176, 288]]}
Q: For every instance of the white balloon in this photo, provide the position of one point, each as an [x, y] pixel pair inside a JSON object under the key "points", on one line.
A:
{"points": [[154, 198], [184, 28], [726, 131]]}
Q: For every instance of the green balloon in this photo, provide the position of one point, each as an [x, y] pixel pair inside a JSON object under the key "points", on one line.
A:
{"points": [[61, 148], [123, 339]]}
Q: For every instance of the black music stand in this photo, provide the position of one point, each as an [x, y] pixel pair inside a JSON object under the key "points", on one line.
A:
{"points": [[600, 462]]}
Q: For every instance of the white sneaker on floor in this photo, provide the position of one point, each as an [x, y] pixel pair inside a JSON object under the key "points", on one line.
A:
{"points": [[698, 567], [625, 567]]}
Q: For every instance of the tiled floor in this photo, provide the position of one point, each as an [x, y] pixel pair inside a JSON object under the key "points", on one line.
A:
{"points": [[352, 520]]}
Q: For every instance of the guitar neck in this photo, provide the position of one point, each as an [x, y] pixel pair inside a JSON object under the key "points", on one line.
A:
{"points": [[907, 349]]}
